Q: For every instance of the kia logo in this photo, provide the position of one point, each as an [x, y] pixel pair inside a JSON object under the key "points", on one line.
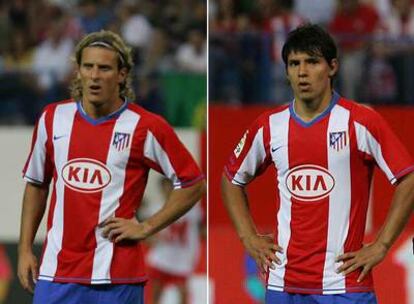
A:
{"points": [[86, 175], [309, 182]]}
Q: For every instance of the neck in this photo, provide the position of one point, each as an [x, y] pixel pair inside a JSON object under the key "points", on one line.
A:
{"points": [[99, 110], [307, 110]]}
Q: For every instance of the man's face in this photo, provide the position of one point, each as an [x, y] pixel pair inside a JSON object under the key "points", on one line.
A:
{"points": [[100, 76], [310, 75]]}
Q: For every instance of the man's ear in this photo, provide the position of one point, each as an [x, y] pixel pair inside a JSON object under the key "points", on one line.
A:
{"points": [[334, 65], [122, 75]]}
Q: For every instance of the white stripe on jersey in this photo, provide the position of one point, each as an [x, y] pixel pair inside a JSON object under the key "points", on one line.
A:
{"points": [[117, 160], [339, 202], [368, 144], [62, 122], [154, 151], [252, 161], [279, 136], [35, 172]]}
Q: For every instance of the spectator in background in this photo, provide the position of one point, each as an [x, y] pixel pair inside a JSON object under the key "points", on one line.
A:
{"points": [[158, 57], [279, 20], [149, 94], [18, 83], [192, 55], [93, 15], [175, 251], [353, 25], [51, 62], [396, 45], [316, 11], [136, 28]]}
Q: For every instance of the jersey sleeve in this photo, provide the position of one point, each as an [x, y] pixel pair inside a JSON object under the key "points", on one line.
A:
{"points": [[375, 138], [37, 169], [164, 152], [251, 156]]}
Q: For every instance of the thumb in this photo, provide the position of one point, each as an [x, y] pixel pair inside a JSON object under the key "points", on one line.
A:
{"points": [[34, 271]]}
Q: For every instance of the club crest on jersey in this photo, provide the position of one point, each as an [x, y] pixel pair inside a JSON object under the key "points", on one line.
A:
{"points": [[86, 175], [240, 145], [309, 182], [121, 141], [338, 140]]}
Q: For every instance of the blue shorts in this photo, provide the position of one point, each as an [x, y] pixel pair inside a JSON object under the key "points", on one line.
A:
{"points": [[277, 297], [70, 293]]}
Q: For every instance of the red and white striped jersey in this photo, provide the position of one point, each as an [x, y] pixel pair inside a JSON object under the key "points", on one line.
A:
{"points": [[323, 173], [99, 170]]}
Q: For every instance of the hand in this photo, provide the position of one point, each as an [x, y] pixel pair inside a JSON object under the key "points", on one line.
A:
{"points": [[119, 229], [27, 270], [263, 249], [366, 258]]}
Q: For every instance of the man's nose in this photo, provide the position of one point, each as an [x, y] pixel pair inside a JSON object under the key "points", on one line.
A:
{"points": [[303, 69], [94, 73]]}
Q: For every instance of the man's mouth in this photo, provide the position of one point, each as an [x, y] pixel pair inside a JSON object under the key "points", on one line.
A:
{"points": [[304, 86], [94, 89]]}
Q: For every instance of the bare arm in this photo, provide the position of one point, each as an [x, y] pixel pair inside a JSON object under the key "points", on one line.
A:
{"points": [[178, 203], [402, 206], [261, 247], [34, 205]]}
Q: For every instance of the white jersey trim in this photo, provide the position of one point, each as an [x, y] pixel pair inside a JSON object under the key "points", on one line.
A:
{"points": [[154, 151], [368, 144]]}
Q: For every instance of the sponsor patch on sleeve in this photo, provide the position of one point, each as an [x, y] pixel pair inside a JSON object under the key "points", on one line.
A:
{"points": [[240, 145]]}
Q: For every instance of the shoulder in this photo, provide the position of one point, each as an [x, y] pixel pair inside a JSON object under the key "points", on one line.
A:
{"points": [[263, 119], [148, 119], [361, 113], [51, 108]]}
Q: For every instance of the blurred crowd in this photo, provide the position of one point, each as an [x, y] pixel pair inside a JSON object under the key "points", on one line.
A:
{"points": [[37, 40], [375, 40]]}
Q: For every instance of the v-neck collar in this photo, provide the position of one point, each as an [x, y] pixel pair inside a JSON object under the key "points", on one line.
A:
{"points": [[306, 124], [102, 119]]}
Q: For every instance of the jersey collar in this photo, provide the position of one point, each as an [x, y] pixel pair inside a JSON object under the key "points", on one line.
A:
{"points": [[332, 103], [102, 119]]}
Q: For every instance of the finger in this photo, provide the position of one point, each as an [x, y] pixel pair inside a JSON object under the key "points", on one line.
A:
{"points": [[120, 238], [275, 259], [34, 272], [345, 256], [267, 263], [109, 228], [345, 266], [264, 267], [23, 280], [351, 269], [277, 248], [363, 274], [115, 232], [109, 221]]}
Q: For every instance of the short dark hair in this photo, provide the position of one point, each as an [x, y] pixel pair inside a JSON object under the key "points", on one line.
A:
{"points": [[311, 39]]}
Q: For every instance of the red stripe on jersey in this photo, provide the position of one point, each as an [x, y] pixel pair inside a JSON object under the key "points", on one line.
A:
{"points": [[306, 263], [81, 210], [134, 186]]}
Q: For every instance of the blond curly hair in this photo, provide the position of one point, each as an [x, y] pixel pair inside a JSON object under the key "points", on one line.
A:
{"points": [[112, 41]]}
